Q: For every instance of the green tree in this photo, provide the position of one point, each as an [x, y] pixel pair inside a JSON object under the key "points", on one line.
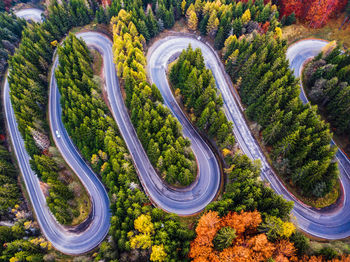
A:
{"points": [[224, 238]]}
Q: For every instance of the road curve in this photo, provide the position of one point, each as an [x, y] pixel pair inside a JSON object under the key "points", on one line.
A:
{"points": [[63, 239], [33, 14], [185, 201], [297, 54], [328, 224]]}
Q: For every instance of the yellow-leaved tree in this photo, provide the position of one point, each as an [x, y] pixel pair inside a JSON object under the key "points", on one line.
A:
{"points": [[190, 9], [192, 21], [183, 6], [278, 32], [144, 224], [198, 6], [213, 24], [246, 16], [231, 39], [158, 254], [142, 241]]}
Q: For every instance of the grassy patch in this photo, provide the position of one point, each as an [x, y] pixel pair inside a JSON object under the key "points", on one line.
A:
{"points": [[190, 221], [81, 202], [97, 62], [325, 201], [341, 247], [329, 32]]}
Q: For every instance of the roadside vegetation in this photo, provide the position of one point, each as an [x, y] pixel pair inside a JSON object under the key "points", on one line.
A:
{"points": [[10, 30], [327, 82], [21, 241], [297, 139], [195, 85], [159, 132], [135, 224], [9, 191], [28, 84], [249, 218], [20, 236], [219, 19]]}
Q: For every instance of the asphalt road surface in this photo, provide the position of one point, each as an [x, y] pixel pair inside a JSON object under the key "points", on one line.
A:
{"points": [[30, 14], [66, 240], [332, 223]]}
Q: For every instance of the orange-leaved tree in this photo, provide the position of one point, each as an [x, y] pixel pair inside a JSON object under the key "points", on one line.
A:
{"points": [[314, 12], [243, 242]]}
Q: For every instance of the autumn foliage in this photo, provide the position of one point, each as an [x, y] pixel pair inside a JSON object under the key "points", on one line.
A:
{"points": [[7, 4], [249, 244], [315, 13], [105, 2]]}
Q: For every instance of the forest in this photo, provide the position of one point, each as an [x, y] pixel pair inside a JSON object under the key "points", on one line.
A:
{"points": [[159, 132], [297, 138], [243, 192], [29, 95], [314, 13], [219, 19], [109, 157], [327, 82], [148, 24], [9, 191], [22, 241], [10, 33], [249, 217], [195, 84]]}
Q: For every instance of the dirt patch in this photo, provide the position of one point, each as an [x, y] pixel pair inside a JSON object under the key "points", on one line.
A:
{"points": [[97, 62], [44, 188]]}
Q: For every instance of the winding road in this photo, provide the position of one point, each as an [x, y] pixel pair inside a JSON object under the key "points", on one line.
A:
{"points": [[297, 54], [327, 223], [185, 201], [66, 240], [333, 223]]}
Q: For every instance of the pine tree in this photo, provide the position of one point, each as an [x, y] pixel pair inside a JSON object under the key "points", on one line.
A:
{"points": [[219, 39], [246, 16], [203, 24], [183, 6], [224, 238], [213, 24], [237, 27], [192, 21]]}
